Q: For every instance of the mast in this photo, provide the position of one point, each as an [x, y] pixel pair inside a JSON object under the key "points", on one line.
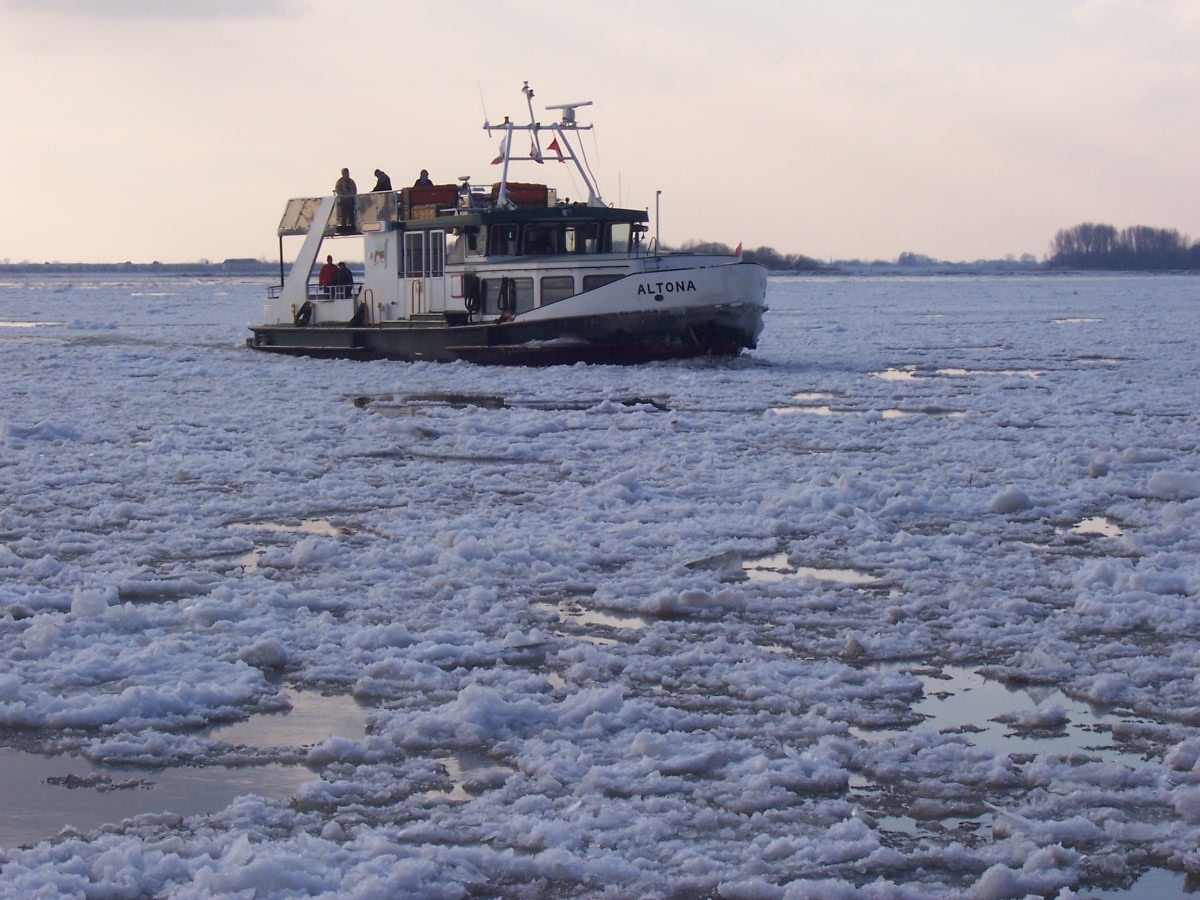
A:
{"points": [[561, 145]]}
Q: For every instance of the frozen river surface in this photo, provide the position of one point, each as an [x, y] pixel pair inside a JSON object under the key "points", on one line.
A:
{"points": [[903, 604]]}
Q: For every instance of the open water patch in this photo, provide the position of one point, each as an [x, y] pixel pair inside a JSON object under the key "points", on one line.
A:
{"points": [[305, 526], [310, 719], [817, 410], [48, 794], [1097, 526], [577, 620], [406, 405], [777, 567], [1153, 884], [1017, 722], [249, 562], [1021, 723], [913, 373], [471, 774]]}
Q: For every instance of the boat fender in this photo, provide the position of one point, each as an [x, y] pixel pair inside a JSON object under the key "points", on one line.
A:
{"points": [[304, 314]]}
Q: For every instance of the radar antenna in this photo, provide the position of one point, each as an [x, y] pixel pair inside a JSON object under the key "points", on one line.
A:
{"points": [[568, 111]]}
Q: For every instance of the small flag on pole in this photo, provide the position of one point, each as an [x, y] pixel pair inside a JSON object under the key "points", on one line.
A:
{"points": [[534, 153], [553, 145], [503, 152], [738, 251]]}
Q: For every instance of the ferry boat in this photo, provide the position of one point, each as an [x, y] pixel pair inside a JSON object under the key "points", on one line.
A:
{"points": [[507, 273]]}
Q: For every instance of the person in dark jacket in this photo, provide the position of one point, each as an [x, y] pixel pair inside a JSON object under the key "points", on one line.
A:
{"points": [[345, 281], [423, 181], [382, 182]]}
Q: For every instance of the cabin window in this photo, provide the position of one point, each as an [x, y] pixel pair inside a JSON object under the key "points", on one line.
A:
{"points": [[557, 287], [520, 293], [541, 239], [503, 240], [620, 237], [476, 240], [414, 254], [582, 238], [456, 247], [591, 282], [523, 295]]}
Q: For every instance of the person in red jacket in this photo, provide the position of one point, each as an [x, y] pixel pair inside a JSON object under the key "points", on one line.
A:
{"points": [[327, 277]]}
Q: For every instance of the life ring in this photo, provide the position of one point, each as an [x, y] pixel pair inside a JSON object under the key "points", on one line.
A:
{"points": [[304, 314]]}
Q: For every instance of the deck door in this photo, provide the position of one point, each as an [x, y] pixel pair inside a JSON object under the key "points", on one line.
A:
{"points": [[424, 289]]}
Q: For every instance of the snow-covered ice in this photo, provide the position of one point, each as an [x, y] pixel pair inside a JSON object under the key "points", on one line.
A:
{"points": [[675, 630]]}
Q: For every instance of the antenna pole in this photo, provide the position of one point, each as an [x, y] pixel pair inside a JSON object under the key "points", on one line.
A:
{"points": [[535, 150], [502, 197], [482, 105], [657, 224]]}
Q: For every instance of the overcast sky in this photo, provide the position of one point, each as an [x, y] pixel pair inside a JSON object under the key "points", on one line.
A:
{"points": [[175, 130]]}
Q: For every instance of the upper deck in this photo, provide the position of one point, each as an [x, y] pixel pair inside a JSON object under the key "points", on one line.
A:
{"points": [[449, 205]]}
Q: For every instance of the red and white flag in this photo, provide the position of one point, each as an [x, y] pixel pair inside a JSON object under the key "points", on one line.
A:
{"points": [[534, 153], [553, 145], [738, 251], [503, 152]]}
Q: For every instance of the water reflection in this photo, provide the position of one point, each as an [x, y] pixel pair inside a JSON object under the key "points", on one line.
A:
{"points": [[1011, 721], [585, 623], [306, 526], [820, 409], [811, 410], [911, 373], [1098, 525], [46, 794], [312, 718], [391, 406], [1153, 884], [470, 774], [43, 795], [574, 612], [248, 562], [777, 567]]}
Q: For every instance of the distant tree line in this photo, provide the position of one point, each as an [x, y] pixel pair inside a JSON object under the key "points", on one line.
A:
{"points": [[767, 257], [1093, 246]]}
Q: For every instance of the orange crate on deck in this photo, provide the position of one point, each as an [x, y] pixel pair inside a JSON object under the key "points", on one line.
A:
{"points": [[524, 196], [443, 196]]}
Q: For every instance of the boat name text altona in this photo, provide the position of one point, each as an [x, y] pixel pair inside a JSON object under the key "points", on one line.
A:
{"points": [[506, 274]]}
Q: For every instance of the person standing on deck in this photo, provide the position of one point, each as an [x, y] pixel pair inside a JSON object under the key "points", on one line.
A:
{"points": [[327, 277], [344, 282], [346, 191], [423, 181], [382, 182]]}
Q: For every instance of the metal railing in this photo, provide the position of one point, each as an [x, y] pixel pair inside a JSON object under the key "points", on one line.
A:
{"points": [[333, 292]]}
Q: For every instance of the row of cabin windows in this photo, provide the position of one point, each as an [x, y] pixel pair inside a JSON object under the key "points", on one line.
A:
{"points": [[541, 238], [554, 238], [554, 289]]}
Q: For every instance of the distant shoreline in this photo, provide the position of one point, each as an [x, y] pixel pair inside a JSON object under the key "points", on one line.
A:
{"points": [[203, 267], [253, 267]]}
